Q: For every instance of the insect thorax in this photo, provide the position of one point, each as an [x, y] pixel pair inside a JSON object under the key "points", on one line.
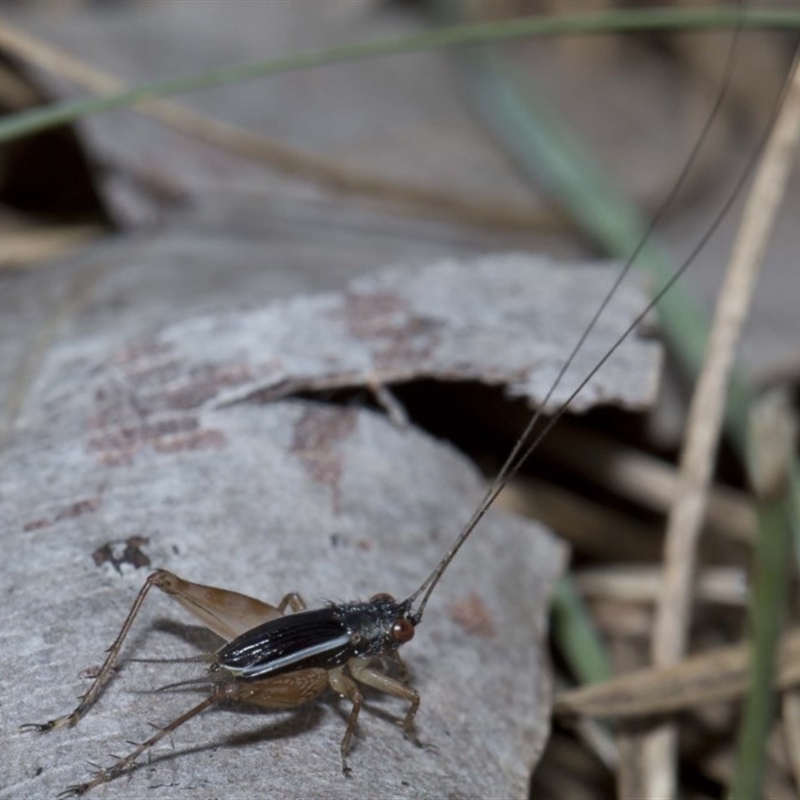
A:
{"points": [[379, 625]]}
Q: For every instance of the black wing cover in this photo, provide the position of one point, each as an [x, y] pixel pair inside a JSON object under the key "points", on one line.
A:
{"points": [[297, 641]]}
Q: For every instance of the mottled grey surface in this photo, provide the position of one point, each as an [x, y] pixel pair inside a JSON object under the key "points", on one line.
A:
{"points": [[399, 117], [510, 320], [128, 374], [142, 441], [332, 503]]}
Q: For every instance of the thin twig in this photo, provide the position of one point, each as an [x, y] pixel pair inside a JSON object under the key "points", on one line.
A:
{"points": [[790, 714], [640, 584], [419, 200], [712, 677], [591, 527], [645, 479], [26, 249], [705, 419]]}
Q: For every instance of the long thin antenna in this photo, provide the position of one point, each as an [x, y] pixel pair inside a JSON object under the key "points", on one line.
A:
{"points": [[523, 449]]}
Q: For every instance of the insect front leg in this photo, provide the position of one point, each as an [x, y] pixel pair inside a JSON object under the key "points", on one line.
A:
{"points": [[364, 673], [346, 687]]}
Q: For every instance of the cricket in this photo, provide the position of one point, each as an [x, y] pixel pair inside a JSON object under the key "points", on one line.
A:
{"points": [[285, 655]]}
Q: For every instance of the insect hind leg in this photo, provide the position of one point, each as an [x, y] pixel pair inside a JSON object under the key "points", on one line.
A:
{"points": [[125, 763], [224, 612], [293, 601], [88, 699]]}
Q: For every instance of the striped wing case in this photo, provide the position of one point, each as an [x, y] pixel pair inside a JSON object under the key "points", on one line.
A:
{"points": [[307, 639]]}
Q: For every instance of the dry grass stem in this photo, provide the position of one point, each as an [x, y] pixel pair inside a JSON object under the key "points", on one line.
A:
{"points": [[595, 736], [22, 250], [705, 419], [627, 621], [16, 94], [589, 526], [630, 780], [721, 765], [586, 52], [645, 479], [600, 741], [627, 655], [641, 584], [417, 200], [776, 748], [790, 714], [715, 676]]}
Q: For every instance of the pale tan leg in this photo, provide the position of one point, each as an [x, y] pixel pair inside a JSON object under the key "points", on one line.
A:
{"points": [[125, 763], [364, 673], [401, 666], [348, 688], [285, 691], [226, 613], [293, 601]]}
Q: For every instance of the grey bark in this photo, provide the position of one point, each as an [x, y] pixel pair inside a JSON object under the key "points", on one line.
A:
{"points": [[164, 445]]}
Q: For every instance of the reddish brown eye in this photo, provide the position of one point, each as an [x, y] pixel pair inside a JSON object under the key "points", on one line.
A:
{"points": [[381, 598], [402, 631]]}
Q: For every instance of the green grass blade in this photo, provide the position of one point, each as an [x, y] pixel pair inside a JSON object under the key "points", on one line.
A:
{"points": [[29, 122], [544, 149], [578, 641]]}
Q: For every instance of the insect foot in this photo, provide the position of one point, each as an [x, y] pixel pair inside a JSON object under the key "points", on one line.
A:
{"points": [[271, 659], [77, 789], [98, 776], [67, 721]]}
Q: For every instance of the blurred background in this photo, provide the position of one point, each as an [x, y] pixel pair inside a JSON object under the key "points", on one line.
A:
{"points": [[267, 188]]}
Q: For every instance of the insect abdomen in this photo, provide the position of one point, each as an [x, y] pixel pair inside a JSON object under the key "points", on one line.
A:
{"points": [[297, 641]]}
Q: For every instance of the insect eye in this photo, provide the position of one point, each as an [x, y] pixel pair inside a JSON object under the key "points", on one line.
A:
{"points": [[402, 631], [381, 598]]}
